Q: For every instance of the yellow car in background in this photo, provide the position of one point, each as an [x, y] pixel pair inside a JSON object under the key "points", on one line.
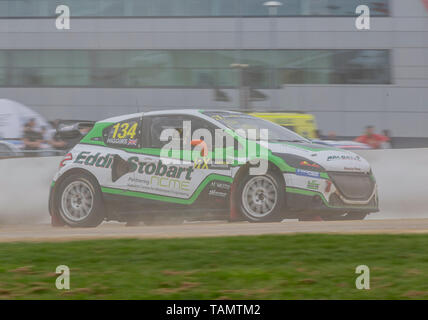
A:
{"points": [[301, 123]]}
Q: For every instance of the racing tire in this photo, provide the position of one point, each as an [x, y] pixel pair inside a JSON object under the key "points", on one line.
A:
{"points": [[261, 198], [79, 201]]}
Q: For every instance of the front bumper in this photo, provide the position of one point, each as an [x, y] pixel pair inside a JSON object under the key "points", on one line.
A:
{"points": [[313, 202], [332, 192]]}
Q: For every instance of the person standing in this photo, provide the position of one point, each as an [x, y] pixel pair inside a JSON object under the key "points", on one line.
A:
{"points": [[376, 141], [32, 139], [388, 144]]}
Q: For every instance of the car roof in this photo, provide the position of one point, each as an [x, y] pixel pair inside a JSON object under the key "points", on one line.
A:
{"points": [[195, 112]]}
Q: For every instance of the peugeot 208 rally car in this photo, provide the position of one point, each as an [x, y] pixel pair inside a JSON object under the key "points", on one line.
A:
{"points": [[121, 171]]}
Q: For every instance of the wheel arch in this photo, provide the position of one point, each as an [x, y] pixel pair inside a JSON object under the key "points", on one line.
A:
{"points": [[245, 168], [74, 171]]}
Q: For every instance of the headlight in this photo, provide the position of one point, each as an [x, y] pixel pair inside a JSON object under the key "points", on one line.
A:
{"points": [[300, 162]]}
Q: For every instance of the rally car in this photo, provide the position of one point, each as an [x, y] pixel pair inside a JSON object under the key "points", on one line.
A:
{"points": [[198, 164]]}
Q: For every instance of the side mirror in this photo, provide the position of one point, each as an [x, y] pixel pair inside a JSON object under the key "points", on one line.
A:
{"points": [[204, 147]]}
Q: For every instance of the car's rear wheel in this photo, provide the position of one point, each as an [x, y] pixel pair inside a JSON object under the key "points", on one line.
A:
{"points": [[261, 198], [79, 201]]}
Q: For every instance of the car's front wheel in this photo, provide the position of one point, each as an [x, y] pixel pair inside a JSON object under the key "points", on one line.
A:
{"points": [[79, 201], [261, 198]]}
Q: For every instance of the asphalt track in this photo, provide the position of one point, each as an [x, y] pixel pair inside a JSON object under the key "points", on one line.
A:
{"points": [[44, 232]]}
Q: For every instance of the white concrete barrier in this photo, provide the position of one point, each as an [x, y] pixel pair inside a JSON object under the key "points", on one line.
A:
{"points": [[402, 178], [401, 174], [24, 189]]}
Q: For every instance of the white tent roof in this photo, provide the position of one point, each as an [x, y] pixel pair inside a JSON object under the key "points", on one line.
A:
{"points": [[13, 117]]}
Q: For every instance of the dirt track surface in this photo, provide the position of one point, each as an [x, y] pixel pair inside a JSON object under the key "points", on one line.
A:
{"points": [[211, 229]]}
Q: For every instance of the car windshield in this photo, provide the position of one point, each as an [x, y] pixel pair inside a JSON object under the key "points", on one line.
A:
{"points": [[236, 121]]}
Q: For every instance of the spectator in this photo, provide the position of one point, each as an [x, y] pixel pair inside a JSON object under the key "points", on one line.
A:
{"points": [[372, 139], [32, 138], [83, 131], [57, 142], [318, 134], [388, 144], [332, 136]]}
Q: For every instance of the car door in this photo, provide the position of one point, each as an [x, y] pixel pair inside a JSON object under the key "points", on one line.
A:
{"points": [[122, 140], [176, 174]]}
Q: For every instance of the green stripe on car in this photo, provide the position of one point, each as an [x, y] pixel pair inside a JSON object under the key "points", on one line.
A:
{"points": [[210, 178]]}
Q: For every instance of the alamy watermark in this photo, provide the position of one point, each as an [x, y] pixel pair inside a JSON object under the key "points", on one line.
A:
{"points": [[363, 21], [62, 21], [63, 280], [238, 147], [363, 280]]}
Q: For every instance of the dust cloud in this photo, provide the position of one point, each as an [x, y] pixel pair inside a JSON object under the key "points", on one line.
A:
{"points": [[24, 189], [402, 178], [401, 174]]}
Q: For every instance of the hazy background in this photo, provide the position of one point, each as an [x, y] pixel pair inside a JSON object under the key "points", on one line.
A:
{"points": [[125, 56]]}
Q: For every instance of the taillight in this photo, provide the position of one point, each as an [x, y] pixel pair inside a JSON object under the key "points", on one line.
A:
{"points": [[67, 157]]}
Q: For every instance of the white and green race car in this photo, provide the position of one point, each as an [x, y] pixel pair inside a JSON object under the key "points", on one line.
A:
{"points": [[195, 164]]}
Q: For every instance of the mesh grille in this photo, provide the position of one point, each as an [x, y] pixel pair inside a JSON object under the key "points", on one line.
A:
{"points": [[354, 186]]}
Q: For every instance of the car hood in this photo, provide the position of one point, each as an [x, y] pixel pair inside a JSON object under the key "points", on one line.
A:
{"points": [[331, 159]]}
